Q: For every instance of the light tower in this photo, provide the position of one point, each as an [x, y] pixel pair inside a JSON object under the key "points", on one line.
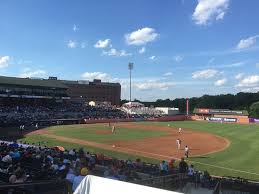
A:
{"points": [[130, 66]]}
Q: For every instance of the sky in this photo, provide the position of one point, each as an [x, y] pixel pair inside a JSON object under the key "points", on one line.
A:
{"points": [[180, 48]]}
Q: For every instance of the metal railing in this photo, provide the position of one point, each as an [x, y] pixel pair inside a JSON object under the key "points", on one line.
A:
{"points": [[39, 187]]}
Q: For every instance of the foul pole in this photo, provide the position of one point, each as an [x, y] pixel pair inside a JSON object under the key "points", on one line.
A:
{"points": [[130, 66], [187, 106]]}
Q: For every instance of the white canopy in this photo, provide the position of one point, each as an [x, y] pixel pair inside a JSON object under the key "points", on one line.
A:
{"points": [[133, 104], [98, 185]]}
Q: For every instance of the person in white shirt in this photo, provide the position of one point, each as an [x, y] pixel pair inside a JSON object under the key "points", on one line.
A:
{"points": [[71, 152], [7, 159]]}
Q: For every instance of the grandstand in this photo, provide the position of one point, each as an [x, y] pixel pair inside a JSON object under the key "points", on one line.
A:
{"points": [[138, 109], [25, 101]]}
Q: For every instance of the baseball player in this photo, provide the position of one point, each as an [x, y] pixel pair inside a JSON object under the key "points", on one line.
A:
{"points": [[180, 129], [178, 143], [113, 129], [186, 152]]}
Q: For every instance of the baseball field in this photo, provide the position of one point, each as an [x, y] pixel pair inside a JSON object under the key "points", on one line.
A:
{"points": [[222, 149]]}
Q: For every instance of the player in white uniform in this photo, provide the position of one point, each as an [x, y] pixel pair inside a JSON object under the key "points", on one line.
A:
{"points": [[186, 151], [113, 129], [178, 144]]}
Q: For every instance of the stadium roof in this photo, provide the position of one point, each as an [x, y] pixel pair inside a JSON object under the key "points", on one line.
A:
{"points": [[32, 82]]}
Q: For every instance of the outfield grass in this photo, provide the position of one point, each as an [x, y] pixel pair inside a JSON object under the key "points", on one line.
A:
{"points": [[241, 155], [89, 132]]}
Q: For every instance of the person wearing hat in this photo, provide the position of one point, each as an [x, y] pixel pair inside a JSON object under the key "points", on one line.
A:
{"points": [[79, 178]]}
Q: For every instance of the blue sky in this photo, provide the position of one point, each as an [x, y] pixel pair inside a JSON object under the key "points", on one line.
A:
{"points": [[180, 48]]}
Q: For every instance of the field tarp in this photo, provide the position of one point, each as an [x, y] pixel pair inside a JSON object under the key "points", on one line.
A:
{"points": [[98, 185]]}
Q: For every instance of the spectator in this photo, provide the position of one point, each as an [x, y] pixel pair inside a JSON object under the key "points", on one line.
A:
{"points": [[191, 171], [18, 176], [70, 175], [171, 165], [7, 158], [183, 166], [163, 167], [77, 180]]}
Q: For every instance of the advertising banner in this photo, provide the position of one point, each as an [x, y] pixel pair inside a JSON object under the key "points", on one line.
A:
{"points": [[219, 119], [218, 111], [253, 120]]}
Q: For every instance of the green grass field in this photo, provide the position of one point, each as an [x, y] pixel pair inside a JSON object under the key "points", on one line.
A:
{"points": [[239, 159], [88, 132]]}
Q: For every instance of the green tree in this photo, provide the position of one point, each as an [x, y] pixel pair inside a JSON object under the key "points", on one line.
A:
{"points": [[254, 110]]}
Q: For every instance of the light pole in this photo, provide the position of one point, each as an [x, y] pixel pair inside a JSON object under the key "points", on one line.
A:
{"points": [[130, 66]]}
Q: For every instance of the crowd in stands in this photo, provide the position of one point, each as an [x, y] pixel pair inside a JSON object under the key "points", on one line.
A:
{"points": [[137, 109], [31, 112], [25, 163]]}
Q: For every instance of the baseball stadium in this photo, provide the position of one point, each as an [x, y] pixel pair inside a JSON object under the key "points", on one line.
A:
{"points": [[154, 140], [129, 97]]}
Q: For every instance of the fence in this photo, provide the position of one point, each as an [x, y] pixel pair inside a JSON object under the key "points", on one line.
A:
{"points": [[41, 187], [229, 185]]}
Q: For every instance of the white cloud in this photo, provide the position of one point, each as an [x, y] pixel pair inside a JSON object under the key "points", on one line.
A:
{"points": [[220, 82], [116, 53], [152, 57], [237, 64], [205, 74], [4, 61], [102, 43], [153, 84], [246, 43], [209, 10], [239, 76], [75, 28], [71, 44], [141, 36], [178, 58], [249, 81], [96, 75], [251, 89], [28, 72], [142, 50], [168, 74]]}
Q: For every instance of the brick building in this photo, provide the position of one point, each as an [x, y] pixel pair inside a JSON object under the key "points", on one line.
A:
{"points": [[52, 88]]}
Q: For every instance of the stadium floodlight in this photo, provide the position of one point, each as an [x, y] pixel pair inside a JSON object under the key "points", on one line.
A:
{"points": [[130, 66]]}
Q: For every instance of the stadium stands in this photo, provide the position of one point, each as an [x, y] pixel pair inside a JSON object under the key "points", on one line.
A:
{"points": [[28, 112]]}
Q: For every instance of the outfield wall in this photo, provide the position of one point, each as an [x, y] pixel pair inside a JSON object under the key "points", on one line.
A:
{"points": [[253, 120], [160, 119], [223, 118]]}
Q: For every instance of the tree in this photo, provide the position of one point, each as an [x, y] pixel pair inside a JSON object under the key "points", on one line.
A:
{"points": [[254, 110]]}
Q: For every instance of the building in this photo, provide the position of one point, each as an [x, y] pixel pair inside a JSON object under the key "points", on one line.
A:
{"points": [[52, 88], [32, 88], [221, 115], [96, 91]]}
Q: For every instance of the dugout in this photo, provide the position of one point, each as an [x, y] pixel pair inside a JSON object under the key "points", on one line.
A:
{"points": [[221, 115]]}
